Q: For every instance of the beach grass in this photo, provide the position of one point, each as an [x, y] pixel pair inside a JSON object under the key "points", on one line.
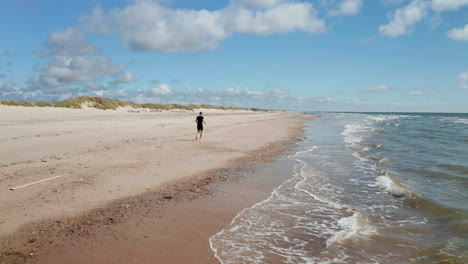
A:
{"points": [[113, 104]]}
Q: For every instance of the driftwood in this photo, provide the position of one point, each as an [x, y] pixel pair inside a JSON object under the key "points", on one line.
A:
{"points": [[33, 183]]}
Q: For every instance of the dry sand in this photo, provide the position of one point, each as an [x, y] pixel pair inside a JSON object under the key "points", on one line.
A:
{"points": [[119, 168]]}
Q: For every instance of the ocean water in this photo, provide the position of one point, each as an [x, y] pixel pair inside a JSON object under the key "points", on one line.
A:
{"points": [[366, 188]]}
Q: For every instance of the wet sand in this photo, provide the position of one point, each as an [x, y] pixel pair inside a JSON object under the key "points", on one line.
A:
{"points": [[88, 218]]}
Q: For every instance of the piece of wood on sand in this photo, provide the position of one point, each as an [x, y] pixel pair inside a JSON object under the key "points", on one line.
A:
{"points": [[33, 183]]}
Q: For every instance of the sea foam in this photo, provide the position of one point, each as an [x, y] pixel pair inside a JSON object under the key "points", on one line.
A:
{"points": [[391, 186], [354, 225]]}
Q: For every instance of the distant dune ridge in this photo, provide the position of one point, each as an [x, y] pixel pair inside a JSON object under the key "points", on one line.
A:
{"points": [[113, 104]]}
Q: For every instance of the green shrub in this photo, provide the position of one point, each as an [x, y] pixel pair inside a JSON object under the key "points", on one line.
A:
{"points": [[16, 103], [44, 104]]}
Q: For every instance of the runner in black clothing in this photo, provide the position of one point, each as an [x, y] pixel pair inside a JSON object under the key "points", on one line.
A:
{"points": [[199, 120]]}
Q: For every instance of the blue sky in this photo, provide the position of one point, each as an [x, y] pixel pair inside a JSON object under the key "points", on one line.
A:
{"points": [[336, 55]]}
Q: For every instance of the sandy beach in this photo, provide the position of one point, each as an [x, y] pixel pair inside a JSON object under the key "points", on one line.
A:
{"points": [[129, 182]]}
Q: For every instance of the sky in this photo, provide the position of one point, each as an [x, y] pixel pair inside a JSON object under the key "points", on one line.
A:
{"points": [[307, 55]]}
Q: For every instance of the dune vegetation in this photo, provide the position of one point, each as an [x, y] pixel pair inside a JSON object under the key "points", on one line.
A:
{"points": [[112, 104]]}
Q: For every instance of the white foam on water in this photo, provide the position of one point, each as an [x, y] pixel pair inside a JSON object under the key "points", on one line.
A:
{"points": [[382, 118], [392, 124], [315, 196], [354, 225], [352, 131], [384, 160], [455, 120], [353, 135], [389, 185], [271, 225], [237, 223]]}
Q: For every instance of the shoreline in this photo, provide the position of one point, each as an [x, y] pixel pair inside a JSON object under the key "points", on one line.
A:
{"points": [[32, 241]]}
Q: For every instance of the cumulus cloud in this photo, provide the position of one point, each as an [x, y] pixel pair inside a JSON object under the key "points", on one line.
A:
{"points": [[347, 7], [70, 42], [93, 87], [463, 79], [62, 72], [444, 5], [231, 96], [379, 88], [459, 33], [405, 17], [9, 87], [11, 91], [77, 66], [123, 77], [163, 89], [245, 97], [149, 26], [284, 18], [146, 25], [260, 3], [74, 65]]}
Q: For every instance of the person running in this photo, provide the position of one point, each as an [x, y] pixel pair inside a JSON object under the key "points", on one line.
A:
{"points": [[199, 120]]}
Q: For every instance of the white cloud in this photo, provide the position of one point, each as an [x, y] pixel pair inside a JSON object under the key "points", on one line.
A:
{"points": [[379, 88], [347, 7], [147, 25], [260, 3], [93, 87], [99, 93], [264, 99], [284, 18], [9, 87], [405, 17], [448, 5], [124, 77], [70, 42], [62, 72], [459, 33], [76, 67], [416, 93], [463, 79], [436, 20], [232, 96], [163, 89]]}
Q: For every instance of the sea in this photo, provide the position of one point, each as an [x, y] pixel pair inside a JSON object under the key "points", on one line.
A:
{"points": [[364, 188]]}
